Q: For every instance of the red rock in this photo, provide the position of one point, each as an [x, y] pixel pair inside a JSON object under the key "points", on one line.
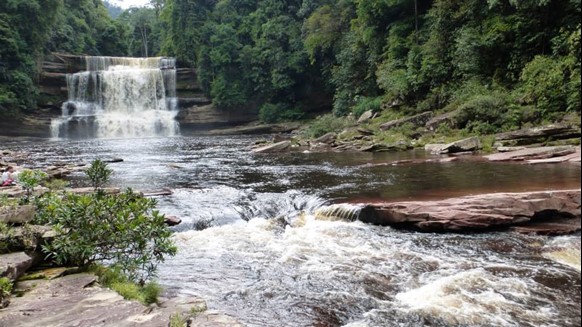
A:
{"points": [[475, 212]]}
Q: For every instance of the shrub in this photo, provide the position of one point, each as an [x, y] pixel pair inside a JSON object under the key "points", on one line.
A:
{"points": [[366, 103], [122, 230], [5, 288], [273, 113], [483, 114], [99, 173], [29, 179], [326, 124]]}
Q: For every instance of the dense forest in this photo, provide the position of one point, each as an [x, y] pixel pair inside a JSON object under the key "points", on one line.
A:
{"points": [[500, 63]]}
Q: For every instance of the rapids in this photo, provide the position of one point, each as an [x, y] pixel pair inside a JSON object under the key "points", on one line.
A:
{"points": [[272, 241]]}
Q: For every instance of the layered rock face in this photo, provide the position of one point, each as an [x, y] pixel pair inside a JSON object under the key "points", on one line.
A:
{"points": [[196, 110], [480, 212]]}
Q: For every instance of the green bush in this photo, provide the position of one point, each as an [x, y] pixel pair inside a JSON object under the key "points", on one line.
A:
{"points": [[273, 113], [326, 124], [5, 288], [483, 114], [29, 179], [364, 104], [122, 230], [98, 173]]}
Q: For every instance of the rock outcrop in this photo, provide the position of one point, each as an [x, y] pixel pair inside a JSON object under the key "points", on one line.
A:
{"points": [[532, 153], [538, 134], [78, 300], [477, 212]]}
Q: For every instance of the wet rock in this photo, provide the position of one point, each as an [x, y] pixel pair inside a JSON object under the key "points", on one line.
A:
{"points": [[417, 121], [381, 147], [532, 153], [17, 214], [365, 117], [172, 220], [14, 265], [113, 160], [276, 147], [574, 157], [475, 212]]}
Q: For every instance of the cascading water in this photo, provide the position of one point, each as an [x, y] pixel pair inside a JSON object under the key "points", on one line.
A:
{"points": [[118, 97]]}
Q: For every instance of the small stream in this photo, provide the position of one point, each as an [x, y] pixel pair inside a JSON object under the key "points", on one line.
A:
{"points": [[253, 245]]}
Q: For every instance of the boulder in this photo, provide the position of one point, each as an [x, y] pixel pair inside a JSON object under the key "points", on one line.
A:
{"points": [[417, 120], [17, 214], [445, 119], [328, 138], [14, 265], [365, 117], [275, 147], [172, 220], [382, 147], [475, 212], [465, 145]]}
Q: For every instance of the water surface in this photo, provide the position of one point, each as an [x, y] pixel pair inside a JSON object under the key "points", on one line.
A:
{"points": [[252, 246]]}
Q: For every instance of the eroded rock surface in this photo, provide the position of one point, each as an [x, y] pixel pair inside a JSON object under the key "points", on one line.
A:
{"points": [[78, 300], [477, 212]]}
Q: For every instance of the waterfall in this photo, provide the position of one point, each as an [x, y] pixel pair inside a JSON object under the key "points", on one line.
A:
{"points": [[119, 97]]}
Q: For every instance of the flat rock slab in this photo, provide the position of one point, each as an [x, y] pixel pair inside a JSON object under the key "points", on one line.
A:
{"points": [[77, 300], [475, 212], [533, 153], [276, 147], [17, 214]]}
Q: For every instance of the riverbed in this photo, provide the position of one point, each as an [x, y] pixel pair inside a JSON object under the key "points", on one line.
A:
{"points": [[253, 244]]}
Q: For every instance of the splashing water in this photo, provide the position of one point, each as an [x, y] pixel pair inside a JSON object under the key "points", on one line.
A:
{"points": [[120, 97]]}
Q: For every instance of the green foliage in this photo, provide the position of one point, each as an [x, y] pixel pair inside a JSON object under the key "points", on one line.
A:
{"points": [[178, 320], [29, 179], [98, 173], [56, 184], [123, 230], [364, 104], [118, 282], [5, 288], [326, 124], [273, 113], [482, 114]]}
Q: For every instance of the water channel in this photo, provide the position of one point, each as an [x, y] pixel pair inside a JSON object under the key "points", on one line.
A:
{"points": [[252, 244]]}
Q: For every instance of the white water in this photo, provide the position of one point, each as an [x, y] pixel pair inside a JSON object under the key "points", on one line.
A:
{"points": [[120, 97]]}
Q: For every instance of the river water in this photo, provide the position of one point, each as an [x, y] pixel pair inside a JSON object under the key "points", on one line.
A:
{"points": [[253, 244]]}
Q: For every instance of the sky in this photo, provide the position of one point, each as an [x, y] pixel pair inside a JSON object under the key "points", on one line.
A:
{"points": [[129, 3]]}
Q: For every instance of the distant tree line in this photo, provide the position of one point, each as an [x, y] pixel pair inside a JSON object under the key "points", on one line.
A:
{"points": [[501, 63]]}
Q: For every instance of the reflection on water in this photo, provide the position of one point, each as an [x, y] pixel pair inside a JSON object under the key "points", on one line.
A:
{"points": [[258, 242]]}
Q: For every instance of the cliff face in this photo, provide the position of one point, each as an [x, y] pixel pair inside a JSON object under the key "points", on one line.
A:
{"points": [[196, 110]]}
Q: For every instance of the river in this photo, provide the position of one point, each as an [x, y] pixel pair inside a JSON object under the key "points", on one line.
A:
{"points": [[253, 245]]}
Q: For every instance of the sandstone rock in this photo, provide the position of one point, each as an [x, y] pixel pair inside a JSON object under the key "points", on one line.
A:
{"points": [[434, 147], [538, 134], [17, 214], [574, 157], [510, 148], [276, 147], [532, 153], [14, 265], [327, 138], [381, 147], [417, 120], [78, 300], [445, 119], [465, 145], [365, 117], [475, 212]]}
